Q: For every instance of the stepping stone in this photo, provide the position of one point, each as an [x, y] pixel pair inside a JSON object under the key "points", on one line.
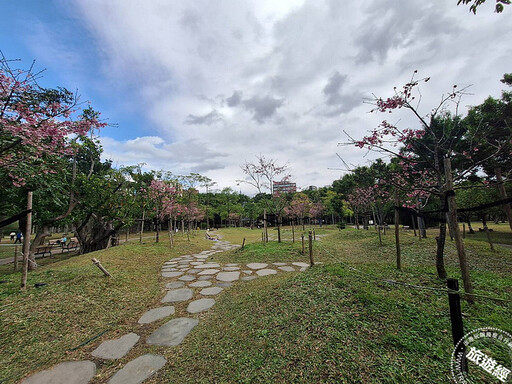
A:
{"points": [[156, 314], [200, 284], [231, 268], [301, 264], [182, 294], [279, 264], [138, 370], [197, 263], [115, 349], [200, 305], [211, 291], [209, 272], [208, 266], [184, 268], [228, 276], [170, 263], [231, 265], [247, 271], [68, 372], [193, 271], [204, 278], [287, 269], [173, 332], [175, 284], [303, 269], [187, 278], [171, 274], [169, 269], [248, 278], [224, 284], [266, 272], [256, 265]]}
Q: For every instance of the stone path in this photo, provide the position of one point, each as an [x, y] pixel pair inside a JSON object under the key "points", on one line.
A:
{"points": [[190, 275]]}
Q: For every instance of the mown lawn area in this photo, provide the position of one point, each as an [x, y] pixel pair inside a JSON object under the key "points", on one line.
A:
{"points": [[330, 323]]}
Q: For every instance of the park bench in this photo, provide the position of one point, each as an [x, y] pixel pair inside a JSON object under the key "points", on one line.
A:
{"points": [[53, 243], [43, 250], [405, 228], [71, 246]]}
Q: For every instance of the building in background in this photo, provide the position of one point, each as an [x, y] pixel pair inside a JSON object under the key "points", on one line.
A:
{"points": [[284, 187]]}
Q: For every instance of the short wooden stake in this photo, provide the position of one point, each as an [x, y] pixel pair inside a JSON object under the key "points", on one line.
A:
{"points": [[302, 236], [314, 235], [101, 267], [311, 249], [456, 319], [243, 243]]}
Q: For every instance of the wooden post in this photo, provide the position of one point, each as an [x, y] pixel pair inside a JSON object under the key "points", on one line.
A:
{"points": [[263, 237], [463, 230], [302, 236], [314, 235], [397, 231], [456, 318], [310, 236], [101, 267], [15, 257], [26, 243], [293, 233], [265, 225], [486, 230], [452, 215], [243, 243], [380, 235]]}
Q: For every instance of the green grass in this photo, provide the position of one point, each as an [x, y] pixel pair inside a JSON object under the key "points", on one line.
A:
{"points": [[328, 324]]}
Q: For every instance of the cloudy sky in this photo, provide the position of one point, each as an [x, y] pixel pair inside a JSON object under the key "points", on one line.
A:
{"points": [[202, 86]]}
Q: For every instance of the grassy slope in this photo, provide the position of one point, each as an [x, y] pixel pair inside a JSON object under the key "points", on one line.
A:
{"points": [[39, 326], [325, 325]]}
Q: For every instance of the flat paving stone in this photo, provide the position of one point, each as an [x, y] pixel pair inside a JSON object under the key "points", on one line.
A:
{"points": [[266, 272], [196, 263], [303, 269], [287, 269], [231, 268], [68, 372], [187, 278], [171, 274], [209, 272], [228, 276], [200, 305], [200, 284], [171, 263], [156, 314], [279, 264], [247, 271], [301, 264], [173, 332], [175, 284], [193, 271], [231, 265], [176, 295], [212, 291], [256, 265], [204, 278], [169, 269], [224, 284], [138, 370], [248, 278], [208, 266], [115, 349]]}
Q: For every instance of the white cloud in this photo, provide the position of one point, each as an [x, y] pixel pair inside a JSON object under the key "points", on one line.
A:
{"points": [[223, 81]]}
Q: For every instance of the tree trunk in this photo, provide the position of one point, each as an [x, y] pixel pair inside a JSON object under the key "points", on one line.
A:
{"points": [[414, 225], [421, 227], [503, 194], [265, 224], [293, 232], [470, 228], [278, 229], [142, 226], [397, 232], [26, 243], [441, 240], [452, 214], [157, 227]]}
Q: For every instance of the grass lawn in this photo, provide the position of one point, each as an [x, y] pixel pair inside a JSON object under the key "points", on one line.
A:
{"points": [[328, 324]]}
